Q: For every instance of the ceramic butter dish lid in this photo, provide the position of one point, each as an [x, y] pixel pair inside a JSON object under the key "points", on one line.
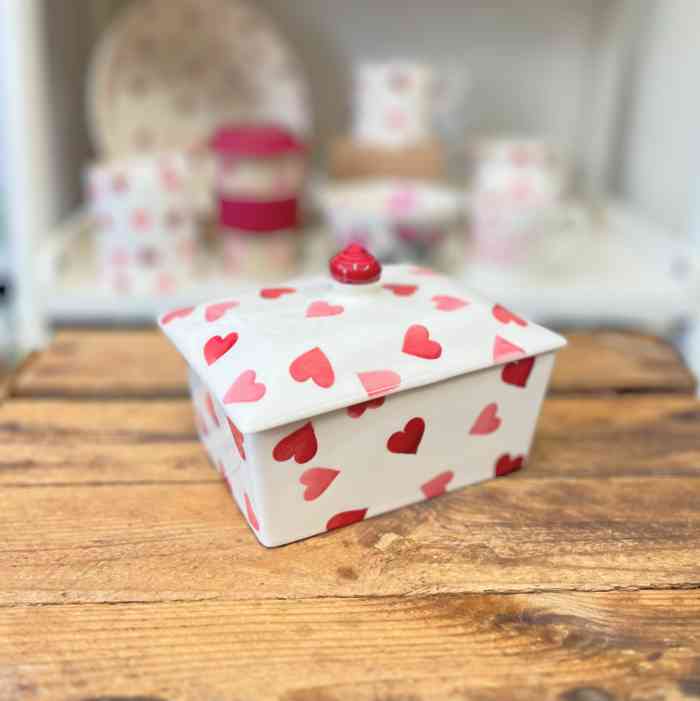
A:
{"points": [[286, 353]]}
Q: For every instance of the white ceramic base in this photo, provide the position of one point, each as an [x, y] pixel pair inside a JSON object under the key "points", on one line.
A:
{"points": [[371, 479]]}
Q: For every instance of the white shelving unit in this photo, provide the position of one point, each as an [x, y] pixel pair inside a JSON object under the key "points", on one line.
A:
{"points": [[570, 67]]}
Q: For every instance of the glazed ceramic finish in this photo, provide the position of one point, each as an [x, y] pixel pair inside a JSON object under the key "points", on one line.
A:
{"points": [[310, 476], [288, 353]]}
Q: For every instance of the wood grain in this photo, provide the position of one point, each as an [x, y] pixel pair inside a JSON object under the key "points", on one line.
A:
{"points": [[568, 647], [90, 442], [142, 364]]}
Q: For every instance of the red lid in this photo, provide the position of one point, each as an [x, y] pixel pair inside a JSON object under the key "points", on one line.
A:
{"points": [[355, 265], [255, 140]]}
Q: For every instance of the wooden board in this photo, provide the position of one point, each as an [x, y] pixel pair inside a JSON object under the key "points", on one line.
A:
{"points": [[143, 364], [127, 572], [635, 646]]}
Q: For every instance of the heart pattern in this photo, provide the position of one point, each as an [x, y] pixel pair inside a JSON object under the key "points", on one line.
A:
{"points": [[447, 303], [356, 410], [313, 365], [401, 290], [252, 518], [237, 438], [209, 404], [214, 312], [438, 485], [176, 314], [322, 308], [505, 464], [317, 480], [505, 316], [487, 422], [245, 389], [408, 440], [345, 518], [505, 350], [377, 382], [216, 346], [518, 372], [417, 342], [300, 445], [275, 292]]}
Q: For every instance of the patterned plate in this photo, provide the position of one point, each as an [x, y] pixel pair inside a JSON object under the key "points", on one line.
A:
{"points": [[168, 72]]}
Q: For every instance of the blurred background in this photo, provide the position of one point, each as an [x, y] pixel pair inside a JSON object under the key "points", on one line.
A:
{"points": [[157, 153]]}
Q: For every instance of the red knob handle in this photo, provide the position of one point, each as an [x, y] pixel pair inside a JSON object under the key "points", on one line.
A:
{"points": [[355, 265]]}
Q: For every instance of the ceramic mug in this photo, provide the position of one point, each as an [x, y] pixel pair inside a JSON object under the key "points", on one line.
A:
{"points": [[145, 223]]}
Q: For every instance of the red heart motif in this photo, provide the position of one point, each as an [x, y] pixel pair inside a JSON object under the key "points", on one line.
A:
{"points": [[356, 410], [209, 403], [505, 316], [417, 342], [245, 389], [438, 485], [401, 290], [446, 303], [378, 382], [408, 440], [322, 308], [314, 365], [216, 346], [214, 312], [237, 438], [345, 518], [317, 480], [275, 292], [505, 464], [505, 350], [176, 314], [487, 421], [300, 444], [518, 372], [252, 518]]}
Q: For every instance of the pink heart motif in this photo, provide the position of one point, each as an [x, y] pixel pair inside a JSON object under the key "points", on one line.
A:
{"points": [[214, 312], [322, 308], [245, 389], [378, 382], [217, 346], [505, 464], [176, 314], [447, 303], [505, 350], [345, 518], [438, 485], [518, 372], [238, 438], [356, 410], [417, 342], [275, 292], [505, 316], [252, 518], [209, 403], [317, 480], [401, 290], [313, 365], [487, 422]]}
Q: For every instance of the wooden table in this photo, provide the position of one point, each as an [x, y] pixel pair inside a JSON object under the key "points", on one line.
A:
{"points": [[126, 571]]}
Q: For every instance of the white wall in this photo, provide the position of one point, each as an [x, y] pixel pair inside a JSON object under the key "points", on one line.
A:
{"points": [[660, 157]]}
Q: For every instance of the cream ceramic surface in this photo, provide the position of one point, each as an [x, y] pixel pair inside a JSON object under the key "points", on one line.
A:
{"points": [[352, 473], [349, 342], [268, 178]]}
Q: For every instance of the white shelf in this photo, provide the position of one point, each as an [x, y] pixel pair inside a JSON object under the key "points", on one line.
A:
{"points": [[632, 274]]}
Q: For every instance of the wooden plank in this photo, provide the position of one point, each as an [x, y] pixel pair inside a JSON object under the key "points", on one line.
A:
{"points": [[93, 442], [621, 362], [187, 541], [635, 646], [120, 364]]}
